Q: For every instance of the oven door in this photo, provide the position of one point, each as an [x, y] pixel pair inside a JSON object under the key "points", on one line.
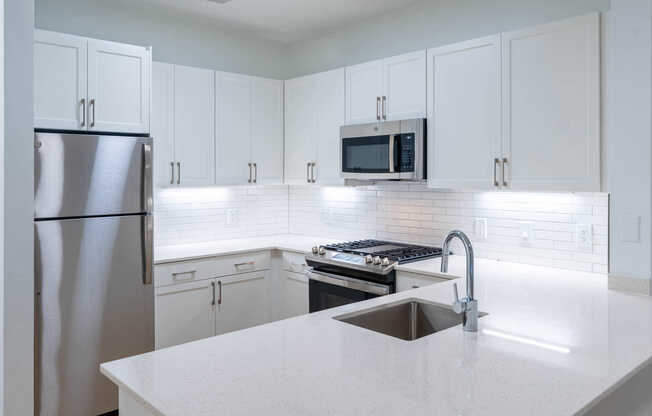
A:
{"points": [[327, 290]]}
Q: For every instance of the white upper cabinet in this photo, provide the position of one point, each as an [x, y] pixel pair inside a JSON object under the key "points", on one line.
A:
{"points": [[233, 129], [118, 87], [162, 123], [59, 81], [88, 84], [267, 130], [464, 136], [300, 125], [194, 151], [387, 89], [330, 118], [249, 136], [364, 89], [314, 113], [551, 106], [404, 82]]}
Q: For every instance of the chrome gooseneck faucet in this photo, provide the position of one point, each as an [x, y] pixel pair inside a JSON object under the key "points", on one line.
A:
{"points": [[468, 306]]}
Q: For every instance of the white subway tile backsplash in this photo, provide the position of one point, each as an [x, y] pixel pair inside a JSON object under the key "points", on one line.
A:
{"points": [[393, 211]]}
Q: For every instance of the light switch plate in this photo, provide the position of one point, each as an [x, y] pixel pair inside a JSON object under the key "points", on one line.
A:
{"points": [[526, 233], [630, 231], [480, 228], [584, 237], [231, 216]]}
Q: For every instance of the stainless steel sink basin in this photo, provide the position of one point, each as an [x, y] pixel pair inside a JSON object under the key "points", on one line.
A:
{"points": [[408, 319]]}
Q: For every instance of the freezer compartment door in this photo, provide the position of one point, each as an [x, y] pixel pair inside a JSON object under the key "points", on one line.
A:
{"points": [[93, 304], [78, 175]]}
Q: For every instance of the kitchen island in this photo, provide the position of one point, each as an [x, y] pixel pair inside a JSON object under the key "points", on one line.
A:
{"points": [[554, 343]]}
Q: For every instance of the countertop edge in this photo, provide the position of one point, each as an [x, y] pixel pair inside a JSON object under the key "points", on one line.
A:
{"points": [[122, 386]]}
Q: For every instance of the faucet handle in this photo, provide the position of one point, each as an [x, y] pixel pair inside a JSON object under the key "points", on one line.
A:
{"points": [[458, 307]]}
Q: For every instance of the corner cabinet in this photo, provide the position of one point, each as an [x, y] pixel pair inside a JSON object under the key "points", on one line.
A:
{"points": [[90, 85], [517, 111], [387, 89], [314, 113]]}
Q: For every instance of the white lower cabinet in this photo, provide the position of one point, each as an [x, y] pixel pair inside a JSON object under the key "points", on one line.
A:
{"points": [[242, 302], [408, 281], [295, 294], [184, 313]]}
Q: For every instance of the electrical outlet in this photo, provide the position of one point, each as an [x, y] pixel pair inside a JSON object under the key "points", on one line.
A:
{"points": [[584, 237], [526, 233], [231, 216], [480, 228]]}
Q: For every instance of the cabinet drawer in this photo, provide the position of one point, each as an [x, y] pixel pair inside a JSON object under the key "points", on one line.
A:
{"points": [[294, 262], [183, 272], [409, 281], [242, 263]]}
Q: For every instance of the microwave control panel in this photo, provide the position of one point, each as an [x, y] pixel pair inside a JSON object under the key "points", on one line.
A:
{"points": [[407, 152]]}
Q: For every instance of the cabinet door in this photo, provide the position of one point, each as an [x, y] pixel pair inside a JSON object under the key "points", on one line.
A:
{"points": [[464, 114], [267, 130], [364, 87], [551, 81], [242, 302], [118, 87], [59, 81], [404, 86], [295, 295], [194, 151], [300, 128], [330, 117], [184, 313], [233, 124], [162, 122]]}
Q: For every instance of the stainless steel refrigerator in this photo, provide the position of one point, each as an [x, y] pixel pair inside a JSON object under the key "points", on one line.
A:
{"points": [[93, 266]]}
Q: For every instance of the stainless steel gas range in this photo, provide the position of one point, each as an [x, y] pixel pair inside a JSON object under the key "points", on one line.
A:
{"points": [[345, 273]]}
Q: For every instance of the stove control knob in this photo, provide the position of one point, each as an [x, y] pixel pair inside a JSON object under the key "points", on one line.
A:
{"points": [[322, 251], [377, 261], [368, 259], [386, 261], [315, 250]]}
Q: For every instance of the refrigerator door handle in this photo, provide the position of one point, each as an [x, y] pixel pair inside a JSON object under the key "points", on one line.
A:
{"points": [[148, 249], [147, 177]]}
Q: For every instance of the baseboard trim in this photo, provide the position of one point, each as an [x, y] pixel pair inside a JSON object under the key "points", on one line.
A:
{"points": [[630, 284]]}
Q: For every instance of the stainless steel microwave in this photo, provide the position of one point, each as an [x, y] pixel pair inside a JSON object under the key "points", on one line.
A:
{"points": [[393, 150]]}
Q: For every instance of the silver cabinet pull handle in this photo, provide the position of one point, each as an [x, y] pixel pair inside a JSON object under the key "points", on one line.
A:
{"points": [[312, 172], [83, 104], [213, 287], [378, 108], [92, 108], [189, 273], [171, 173], [505, 161], [255, 173], [384, 107], [219, 299], [496, 163], [178, 173], [308, 172], [249, 181]]}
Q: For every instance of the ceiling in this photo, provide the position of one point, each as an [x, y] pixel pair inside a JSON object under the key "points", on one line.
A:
{"points": [[283, 20]]}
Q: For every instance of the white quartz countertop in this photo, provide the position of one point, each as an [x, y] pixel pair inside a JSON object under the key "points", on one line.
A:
{"points": [[283, 242], [554, 343]]}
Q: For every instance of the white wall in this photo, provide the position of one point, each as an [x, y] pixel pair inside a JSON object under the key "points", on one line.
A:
{"points": [[426, 24], [627, 136], [18, 244], [175, 38]]}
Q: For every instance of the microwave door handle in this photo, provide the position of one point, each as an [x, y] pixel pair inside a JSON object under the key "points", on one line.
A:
{"points": [[392, 140]]}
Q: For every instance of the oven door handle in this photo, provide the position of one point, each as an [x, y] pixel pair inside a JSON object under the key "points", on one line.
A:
{"points": [[347, 282]]}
